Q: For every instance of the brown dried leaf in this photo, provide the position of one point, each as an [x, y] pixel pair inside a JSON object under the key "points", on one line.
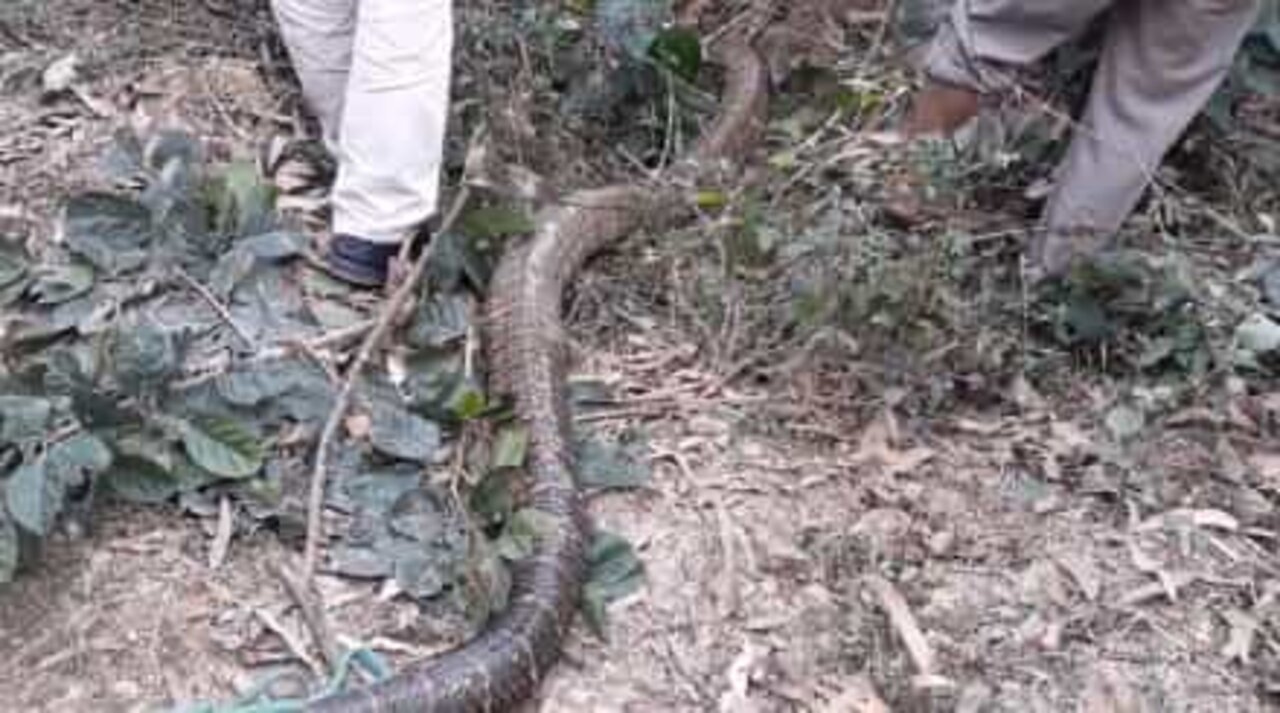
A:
{"points": [[1108, 691], [1240, 639], [858, 696]]}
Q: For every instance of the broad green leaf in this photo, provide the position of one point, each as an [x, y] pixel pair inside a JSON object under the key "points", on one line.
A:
{"points": [[711, 200], [679, 50], [34, 497], [421, 575], [360, 562], [610, 465], [232, 268], [71, 459], [630, 26], [9, 548], [467, 402], [520, 537], [460, 258], [55, 284], [111, 232], [333, 315], [417, 515], [141, 480], [614, 571], [440, 321], [511, 447], [221, 446], [143, 357], [496, 221], [401, 434], [23, 418], [492, 502], [13, 264], [251, 385], [275, 245], [243, 202], [377, 491]]}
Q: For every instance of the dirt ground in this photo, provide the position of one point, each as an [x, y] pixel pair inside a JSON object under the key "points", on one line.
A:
{"points": [[811, 543]]}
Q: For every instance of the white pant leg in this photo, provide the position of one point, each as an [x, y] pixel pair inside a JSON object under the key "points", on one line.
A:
{"points": [[320, 35], [1161, 64], [394, 118]]}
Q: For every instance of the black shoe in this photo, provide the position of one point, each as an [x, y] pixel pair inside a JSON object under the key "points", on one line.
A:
{"points": [[359, 261]]}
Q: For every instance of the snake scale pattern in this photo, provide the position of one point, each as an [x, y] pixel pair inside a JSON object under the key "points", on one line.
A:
{"points": [[505, 664]]}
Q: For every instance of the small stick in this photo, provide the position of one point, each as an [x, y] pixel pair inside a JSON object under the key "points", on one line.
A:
{"points": [[219, 308], [904, 622], [291, 642], [312, 614], [315, 504]]}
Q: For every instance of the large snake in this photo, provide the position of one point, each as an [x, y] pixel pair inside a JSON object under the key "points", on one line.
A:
{"points": [[505, 664]]}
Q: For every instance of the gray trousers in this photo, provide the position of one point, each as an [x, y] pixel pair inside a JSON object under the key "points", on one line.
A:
{"points": [[1161, 62], [376, 73]]}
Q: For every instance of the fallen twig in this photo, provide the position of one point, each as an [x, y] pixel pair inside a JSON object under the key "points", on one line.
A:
{"points": [[218, 308], [904, 622], [291, 642], [386, 318], [312, 614]]}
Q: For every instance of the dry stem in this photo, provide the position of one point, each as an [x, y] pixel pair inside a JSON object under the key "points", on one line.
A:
{"points": [[386, 319]]}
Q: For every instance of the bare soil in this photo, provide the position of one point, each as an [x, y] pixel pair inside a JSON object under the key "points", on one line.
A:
{"points": [[811, 544]]}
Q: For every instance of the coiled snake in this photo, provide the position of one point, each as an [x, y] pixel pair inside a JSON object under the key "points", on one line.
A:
{"points": [[504, 665]]}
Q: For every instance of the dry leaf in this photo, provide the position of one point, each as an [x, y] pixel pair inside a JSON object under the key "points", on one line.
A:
{"points": [[1083, 571], [858, 696], [359, 426], [1110, 692], [875, 446], [1267, 466], [1240, 639]]}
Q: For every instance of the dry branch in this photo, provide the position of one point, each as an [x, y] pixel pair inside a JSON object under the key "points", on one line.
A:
{"points": [[372, 342]]}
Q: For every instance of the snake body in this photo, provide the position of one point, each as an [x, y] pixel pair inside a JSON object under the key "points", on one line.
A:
{"points": [[505, 664]]}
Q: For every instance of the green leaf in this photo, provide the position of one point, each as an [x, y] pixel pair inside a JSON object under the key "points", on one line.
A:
{"points": [[630, 26], [520, 537], [9, 548], [610, 465], [221, 446], [440, 321], [511, 447], [111, 232], [55, 284], [459, 258], [496, 221], [243, 203], [492, 502], [614, 571], [251, 385], [468, 403], [34, 497], [13, 265], [143, 357], [274, 246], [679, 50], [711, 200], [142, 480], [82, 453], [23, 418], [401, 434], [232, 268]]}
